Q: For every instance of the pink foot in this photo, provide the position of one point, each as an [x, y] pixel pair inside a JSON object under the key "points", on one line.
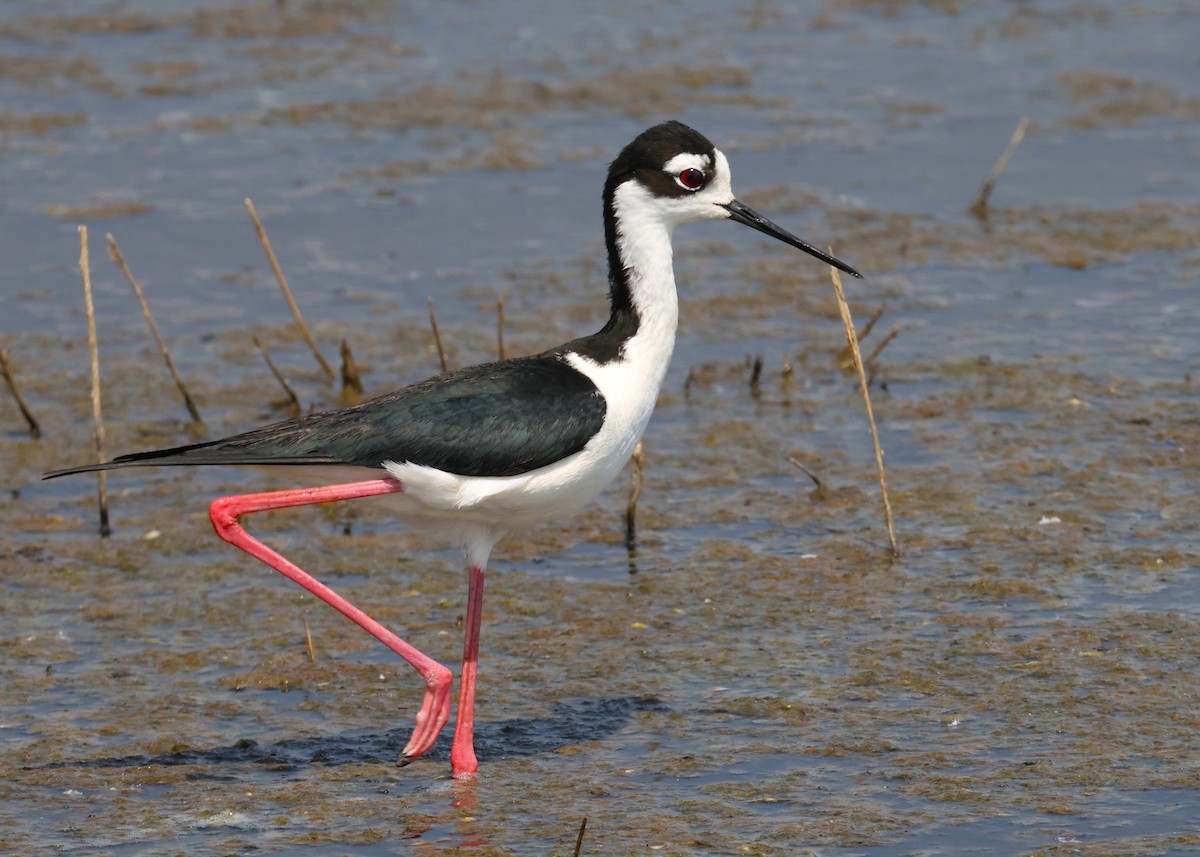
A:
{"points": [[435, 711]]}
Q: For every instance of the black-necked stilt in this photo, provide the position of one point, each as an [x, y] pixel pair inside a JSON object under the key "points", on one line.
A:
{"points": [[478, 452]]}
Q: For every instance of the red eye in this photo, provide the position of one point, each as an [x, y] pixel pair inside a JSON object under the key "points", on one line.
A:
{"points": [[691, 178]]}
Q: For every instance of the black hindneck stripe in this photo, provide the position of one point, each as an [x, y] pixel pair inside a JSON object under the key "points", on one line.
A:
{"points": [[607, 345], [619, 294]]}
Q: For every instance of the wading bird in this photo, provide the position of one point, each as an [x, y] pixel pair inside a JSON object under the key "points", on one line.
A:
{"points": [[475, 453]]}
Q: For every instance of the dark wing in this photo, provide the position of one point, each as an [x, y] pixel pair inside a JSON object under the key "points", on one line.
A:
{"points": [[497, 419]]}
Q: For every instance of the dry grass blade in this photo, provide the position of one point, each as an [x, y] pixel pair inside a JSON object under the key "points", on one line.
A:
{"points": [[114, 253], [500, 327], [844, 308], [94, 351], [312, 654], [35, 430], [287, 292], [437, 337], [293, 399], [980, 205]]}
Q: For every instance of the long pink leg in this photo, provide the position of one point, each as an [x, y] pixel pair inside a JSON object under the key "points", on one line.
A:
{"points": [[462, 753], [225, 511]]}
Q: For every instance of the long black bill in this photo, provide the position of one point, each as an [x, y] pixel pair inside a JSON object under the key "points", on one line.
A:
{"points": [[749, 217]]}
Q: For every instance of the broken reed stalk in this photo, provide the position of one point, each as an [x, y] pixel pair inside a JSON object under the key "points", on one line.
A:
{"points": [[114, 253], [799, 465], [638, 462], [437, 337], [979, 206], [579, 838], [888, 337], [287, 388], [872, 321], [94, 349], [35, 430], [312, 654], [287, 292], [844, 308], [500, 327]]}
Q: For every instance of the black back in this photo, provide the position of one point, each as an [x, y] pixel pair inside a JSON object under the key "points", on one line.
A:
{"points": [[496, 419]]}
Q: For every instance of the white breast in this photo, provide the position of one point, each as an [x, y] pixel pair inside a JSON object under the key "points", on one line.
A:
{"points": [[630, 388], [629, 385]]}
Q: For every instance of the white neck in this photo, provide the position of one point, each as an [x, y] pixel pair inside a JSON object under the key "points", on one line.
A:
{"points": [[644, 248], [631, 379]]}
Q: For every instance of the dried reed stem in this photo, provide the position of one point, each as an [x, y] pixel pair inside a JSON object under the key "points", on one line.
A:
{"points": [[979, 206], [500, 326], [852, 338], [638, 462], [287, 388], [94, 349], [437, 337], [35, 430], [287, 292], [114, 253]]}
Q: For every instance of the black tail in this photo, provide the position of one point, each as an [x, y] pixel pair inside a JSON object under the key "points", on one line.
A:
{"points": [[207, 454], [154, 458]]}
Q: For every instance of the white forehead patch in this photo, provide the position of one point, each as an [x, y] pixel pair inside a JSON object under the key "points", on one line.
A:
{"points": [[721, 184], [687, 161]]}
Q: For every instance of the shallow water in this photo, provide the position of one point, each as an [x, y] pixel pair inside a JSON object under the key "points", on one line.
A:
{"points": [[1021, 680]]}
